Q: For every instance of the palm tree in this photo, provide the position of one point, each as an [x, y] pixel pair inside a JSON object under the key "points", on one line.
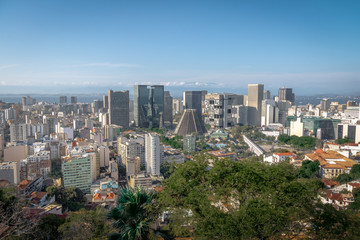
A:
{"points": [[133, 214]]}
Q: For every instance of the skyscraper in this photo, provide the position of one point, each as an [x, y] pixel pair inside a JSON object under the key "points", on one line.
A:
{"points": [[286, 94], [168, 108], [63, 99], [324, 104], [152, 154], [266, 94], [193, 100], [119, 108], [148, 105], [106, 103], [255, 97], [73, 99]]}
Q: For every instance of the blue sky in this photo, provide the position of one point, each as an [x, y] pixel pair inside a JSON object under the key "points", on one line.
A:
{"points": [[58, 46]]}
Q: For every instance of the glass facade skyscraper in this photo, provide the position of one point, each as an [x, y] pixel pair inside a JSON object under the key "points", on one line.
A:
{"points": [[148, 105]]}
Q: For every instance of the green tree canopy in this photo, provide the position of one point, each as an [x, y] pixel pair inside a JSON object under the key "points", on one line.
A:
{"points": [[309, 169], [237, 200]]}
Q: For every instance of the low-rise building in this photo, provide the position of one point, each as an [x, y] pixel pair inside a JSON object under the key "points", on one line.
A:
{"points": [[140, 180], [332, 164], [279, 157]]}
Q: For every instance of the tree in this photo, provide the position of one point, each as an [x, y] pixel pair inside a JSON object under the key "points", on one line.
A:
{"points": [[47, 228], [166, 169], [344, 178], [344, 140], [262, 201], [356, 204], [86, 225], [309, 169], [329, 223], [12, 219], [133, 214], [355, 171], [71, 199]]}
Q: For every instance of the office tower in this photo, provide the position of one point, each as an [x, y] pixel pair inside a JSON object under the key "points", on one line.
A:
{"points": [[96, 105], [267, 94], [105, 103], [269, 112], [168, 110], [217, 109], [283, 107], [193, 100], [119, 108], [10, 171], [131, 148], [10, 114], [325, 104], [190, 123], [73, 99], [77, 173], [351, 131], [28, 101], [255, 97], [153, 154], [286, 94], [104, 156], [203, 93], [19, 132], [51, 123], [63, 99], [148, 105]]}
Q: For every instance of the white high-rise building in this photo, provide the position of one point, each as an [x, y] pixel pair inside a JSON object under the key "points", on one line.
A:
{"points": [[104, 156], [153, 154]]}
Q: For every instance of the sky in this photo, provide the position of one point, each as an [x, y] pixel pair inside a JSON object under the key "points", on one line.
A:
{"points": [[70, 46]]}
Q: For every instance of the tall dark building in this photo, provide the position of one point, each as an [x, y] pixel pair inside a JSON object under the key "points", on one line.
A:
{"points": [[105, 103], [193, 100], [63, 99], [168, 110], [266, 94], [73, 99], [286, 94], [118, 108], [148, 105]]}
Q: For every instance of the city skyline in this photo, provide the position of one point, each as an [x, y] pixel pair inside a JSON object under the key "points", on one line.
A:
{"points": [[91, 46]]}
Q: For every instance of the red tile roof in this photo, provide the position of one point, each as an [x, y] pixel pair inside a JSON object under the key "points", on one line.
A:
{"points": [[328, 182], [355, 185], [110, 196], [97, 196]]}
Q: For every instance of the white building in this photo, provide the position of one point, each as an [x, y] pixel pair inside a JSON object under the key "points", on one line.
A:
{"points": [[153, 154]]}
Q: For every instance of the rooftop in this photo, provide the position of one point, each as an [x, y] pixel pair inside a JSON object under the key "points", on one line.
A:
{"points": [[331, 159]]}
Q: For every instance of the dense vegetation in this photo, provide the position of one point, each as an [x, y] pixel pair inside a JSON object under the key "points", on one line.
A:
{"points": [[206, 199], [250, 200], [348, 177], [342, 141], [175, 142], [304, 142], [71, 199]]}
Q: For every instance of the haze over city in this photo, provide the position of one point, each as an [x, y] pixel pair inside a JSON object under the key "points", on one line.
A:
{"points": [[92, 46]]}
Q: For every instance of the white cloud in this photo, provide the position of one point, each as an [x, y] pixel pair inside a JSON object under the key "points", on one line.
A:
{"points": [[8, 66]]}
